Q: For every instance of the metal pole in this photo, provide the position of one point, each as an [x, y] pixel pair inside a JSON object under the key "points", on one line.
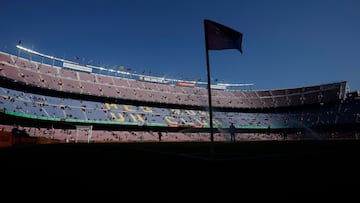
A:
{"points": [[209, 86]]}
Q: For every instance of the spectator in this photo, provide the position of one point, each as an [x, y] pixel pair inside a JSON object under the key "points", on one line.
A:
{"points": [[232, 130], [159, 135]]}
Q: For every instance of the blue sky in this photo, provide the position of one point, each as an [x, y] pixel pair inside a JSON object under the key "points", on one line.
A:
{"points": [[286, 43]]}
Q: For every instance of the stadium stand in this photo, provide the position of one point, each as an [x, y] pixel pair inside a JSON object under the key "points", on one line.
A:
{"points": [[70, 105]]}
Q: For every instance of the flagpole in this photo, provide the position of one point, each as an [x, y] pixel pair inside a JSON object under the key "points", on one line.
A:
{"points": [[221, 37], [209, 86]]}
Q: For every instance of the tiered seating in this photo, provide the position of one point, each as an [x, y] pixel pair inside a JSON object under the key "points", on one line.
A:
{"points": [[83, 135], [11, 72], [65, 108], [95, 84], [91, 112]]}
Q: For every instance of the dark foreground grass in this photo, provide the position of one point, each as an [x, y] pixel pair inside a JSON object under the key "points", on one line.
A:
{"points": [[291, 170]]}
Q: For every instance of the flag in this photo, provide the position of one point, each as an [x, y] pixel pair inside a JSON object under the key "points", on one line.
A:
{"points": [[219, 37]]}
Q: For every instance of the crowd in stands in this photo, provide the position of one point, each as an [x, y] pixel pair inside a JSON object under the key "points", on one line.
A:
{"points": [[113, 136], [315, 99], [57, 78], [56, 108]]}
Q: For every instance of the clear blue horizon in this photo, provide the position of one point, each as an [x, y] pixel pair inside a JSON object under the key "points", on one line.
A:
{"points": [[286, 44]]}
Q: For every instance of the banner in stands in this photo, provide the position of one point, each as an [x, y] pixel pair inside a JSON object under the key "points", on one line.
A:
{"points": [[77, 67], [152, 79], [186, 84], [219, 87]]}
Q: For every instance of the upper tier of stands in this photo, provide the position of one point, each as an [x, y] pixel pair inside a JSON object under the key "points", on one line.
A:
{"points": [[57, 78]]}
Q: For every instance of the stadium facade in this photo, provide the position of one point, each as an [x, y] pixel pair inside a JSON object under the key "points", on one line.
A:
{"points": [[65, 101]]}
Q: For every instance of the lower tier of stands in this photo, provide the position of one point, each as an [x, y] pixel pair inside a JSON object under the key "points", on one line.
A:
{"points": [[131, 123], [73, 111], [88, 135]]}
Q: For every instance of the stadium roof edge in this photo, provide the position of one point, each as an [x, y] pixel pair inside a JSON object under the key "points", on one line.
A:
{"points": [[147, 77]]}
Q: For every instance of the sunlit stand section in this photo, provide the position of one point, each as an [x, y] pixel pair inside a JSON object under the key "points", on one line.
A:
{"points": [[108, 71]]}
